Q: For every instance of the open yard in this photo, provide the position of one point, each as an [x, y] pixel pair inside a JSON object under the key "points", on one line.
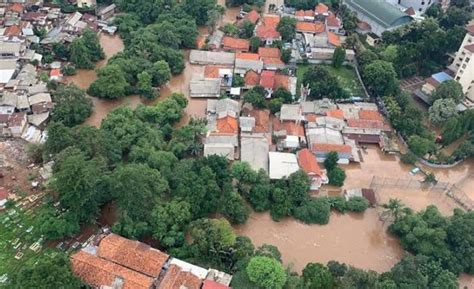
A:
{"points": [[346, 76]]}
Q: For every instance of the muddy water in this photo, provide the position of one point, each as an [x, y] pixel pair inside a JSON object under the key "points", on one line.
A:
{"points": [[357, 239], [230, 15]]}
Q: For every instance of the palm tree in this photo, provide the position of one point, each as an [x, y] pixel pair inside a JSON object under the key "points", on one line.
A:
{"points": [[393, 210]]}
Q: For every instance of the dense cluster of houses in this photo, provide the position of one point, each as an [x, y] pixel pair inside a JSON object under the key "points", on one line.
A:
{"points": [[25, 104], [111, 261], [313, 129]]}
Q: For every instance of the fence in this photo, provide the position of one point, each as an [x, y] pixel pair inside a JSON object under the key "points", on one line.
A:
{"points": [[452, 191]]}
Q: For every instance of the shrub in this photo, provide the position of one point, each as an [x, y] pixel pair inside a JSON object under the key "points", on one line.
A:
{"points": [[337, 176], [408, 158], [314, 211], [338, 203], [357, 204]]}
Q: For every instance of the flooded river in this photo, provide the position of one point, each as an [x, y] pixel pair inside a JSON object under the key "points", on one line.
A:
{"points": [[356, 239]]}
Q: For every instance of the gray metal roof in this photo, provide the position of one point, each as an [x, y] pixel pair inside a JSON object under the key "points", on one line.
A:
{"points": [[205, 88], [379, 11], [210, 57], [254, 150]]}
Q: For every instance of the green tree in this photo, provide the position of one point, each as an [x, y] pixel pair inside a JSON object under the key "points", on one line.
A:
{"points": [[281, 204], [449, 89], [68, 70], [238, 81], [145, 87], [71, 105], [235, 209], [314, 211], [246, 29], [380, 78], [338, 57], [393, 209], [110, 83], [283, 94], [270, 251], [323, 83], [59, 138], [80, 54], [266, 272], [287, 28], [198, 9], [275, 105], [256, 97], [254, 43], [421, 146], [442, 110], [357, 204], [317, 276], [93, 45], [286, 55], [336, 176], [160, 73], [331, 161], [51, 272], [169, 221]]}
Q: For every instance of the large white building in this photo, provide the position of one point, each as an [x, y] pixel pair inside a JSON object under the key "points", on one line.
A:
{"points": [[420, 6], [463, 66]]}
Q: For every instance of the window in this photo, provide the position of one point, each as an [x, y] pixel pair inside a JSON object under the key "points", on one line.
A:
{"points": [[464, 66], [467, 59], [422, 2], [419, 9], [458, 77], [461, 71]]}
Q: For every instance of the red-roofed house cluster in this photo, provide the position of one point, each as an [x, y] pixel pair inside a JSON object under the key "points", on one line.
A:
{"points": [[111, 261]]}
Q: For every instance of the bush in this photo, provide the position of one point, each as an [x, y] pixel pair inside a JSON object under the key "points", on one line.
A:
{"points": [[338, 203], [408, 158], [357, 204], [314, 211], [336, 176]]}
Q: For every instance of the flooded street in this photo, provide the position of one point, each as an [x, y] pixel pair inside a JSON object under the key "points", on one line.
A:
{"points": [[356, 239]]}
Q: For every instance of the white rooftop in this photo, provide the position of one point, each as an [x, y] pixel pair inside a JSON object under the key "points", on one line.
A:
{"points": [[282, 164]]}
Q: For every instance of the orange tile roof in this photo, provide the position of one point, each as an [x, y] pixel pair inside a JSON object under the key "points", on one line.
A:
{"points": [[370, 115], [14, 30], [132, 254], [299, 13], [311, 117], [175, 278], [337, 113], [96, 271], [212, 71], [272, 60], [252, 16], [331, 148], [282, 80], [333, 21], [267, 79], [247, 56], [235, 43], [16, 7], [271, 20], [334, 39], [262, 120], [309, 13], [307, 161], [317, 27], [252, 78], [269, 52], [227, 124], [290, 127], [267, 32], [366, 123], [321, 9], [209, 284], [55, 72]]}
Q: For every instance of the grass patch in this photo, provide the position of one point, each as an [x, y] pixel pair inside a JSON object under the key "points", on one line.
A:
{"points": [[346, 75]]}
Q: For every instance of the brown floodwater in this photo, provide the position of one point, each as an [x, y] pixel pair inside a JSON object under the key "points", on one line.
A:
{"points": [[360, 240]]}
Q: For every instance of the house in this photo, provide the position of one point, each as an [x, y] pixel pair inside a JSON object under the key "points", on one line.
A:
{"points": [[251, 79], [321, 151], [210, 57], [267, 31], [311, 28], [215, 40], [323, 135], [433, 82], [254, 150], [252, 16], [40, 98], [308, 163], [271, 20], [267, 81], [107, 12], [235, 44], [334, 24], [290, 134], [224, 74], [17, 123], [55, 74], [272, 63], [220, 149], [7, 70], [223, 107], [10, 49], [372, 39], [209, 284], [86, 3], [291, 112], [302, 15], [247, 61], [333, 39], [379, 15], [205, 88], [281, 165], [321, 10]]}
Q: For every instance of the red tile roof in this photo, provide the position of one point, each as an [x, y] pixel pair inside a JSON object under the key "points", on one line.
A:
{"points": [[267, 32], [132, 254], [209, 284], [333, 21], [262, 120], [366, 123], [16, 7], [175, 278], [290, 127], [410, 11], [267, 79], [469, 48], [252, 16], [307, 161], [55, 72], [96, 271], [247, 56], [269, 52], [282, 80], [235, 43], [14, 30], [272, 60], [337, 113], [334, 39], [252, 78], [211, 71], [321, 9], [271, 20], [303, 13], [227, 124], [331, 148], [299, 13], [317, 27], [370, 115]]}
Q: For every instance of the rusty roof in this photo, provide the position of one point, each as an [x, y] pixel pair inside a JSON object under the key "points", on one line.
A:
{"points": [[290, 127], [368, 123], [370, 115], [265, 32], [16, 119], [321, 8], [281, 80], [210, 284], [14, 30], [331, 148], [252, 78], [470, 29], [252, 16], [247, 56], [132, 254], [334, 39], [316, 27], [267, 79], [469, 48], [228, 125], [269, 52], [271, 20], [175, 278], [96, 271], [212, 71], [262, 120], [333, 21], [16, 7]]}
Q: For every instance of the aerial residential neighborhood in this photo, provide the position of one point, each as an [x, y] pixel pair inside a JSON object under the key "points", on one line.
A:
{"points": [[211, 144]]}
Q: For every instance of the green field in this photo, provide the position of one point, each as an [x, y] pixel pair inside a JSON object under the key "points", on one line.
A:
{"points": [[346, 76], [17, 234]]}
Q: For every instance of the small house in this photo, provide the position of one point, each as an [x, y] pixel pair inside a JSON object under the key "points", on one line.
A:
{"points": [[282, 165]]}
